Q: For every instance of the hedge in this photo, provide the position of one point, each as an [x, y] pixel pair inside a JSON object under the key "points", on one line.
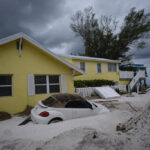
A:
{"points": [[92, 83]]}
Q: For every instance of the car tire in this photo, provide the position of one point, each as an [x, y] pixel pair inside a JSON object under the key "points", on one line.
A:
{"points": [[55, 120]]}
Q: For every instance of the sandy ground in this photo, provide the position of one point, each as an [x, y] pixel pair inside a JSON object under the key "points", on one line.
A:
{"points": [[91, 133]]}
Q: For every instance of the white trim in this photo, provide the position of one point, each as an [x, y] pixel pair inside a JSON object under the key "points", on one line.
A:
{"points": [[111, 67], [86, 67], [12, 90], [79, 64], [73, 72], [102, 68], [20, 43], [8, 85], [47, 84], [90, 58], [117, 67], [31, 85], [96, 68], [63, 84], [24, 36], [5, 85], [107, 67]]}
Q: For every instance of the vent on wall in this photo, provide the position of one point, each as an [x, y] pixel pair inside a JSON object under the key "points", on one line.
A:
{"points": [[19, 45]]}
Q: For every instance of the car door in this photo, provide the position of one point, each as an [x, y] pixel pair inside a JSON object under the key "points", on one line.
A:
{"points": [[67, 112], [81, 112], [80, 108]]}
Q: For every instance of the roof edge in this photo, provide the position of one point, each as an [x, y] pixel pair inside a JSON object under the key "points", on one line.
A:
{"points": [[89, 58], [37, 44]]}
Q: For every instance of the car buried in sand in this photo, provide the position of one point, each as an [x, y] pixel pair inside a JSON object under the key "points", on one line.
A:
{"points": [[61, 107]]}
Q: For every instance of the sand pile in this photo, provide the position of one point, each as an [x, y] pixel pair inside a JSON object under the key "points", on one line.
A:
{"points": [[91, 133], [90, 139]]}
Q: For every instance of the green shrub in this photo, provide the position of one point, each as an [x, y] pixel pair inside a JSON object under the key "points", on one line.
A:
{"points": [[92, 83]]}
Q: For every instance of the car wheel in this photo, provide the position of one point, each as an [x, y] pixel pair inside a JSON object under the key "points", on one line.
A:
{"points": [[55, 120]]}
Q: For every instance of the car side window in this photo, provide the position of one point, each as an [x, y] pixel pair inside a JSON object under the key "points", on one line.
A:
{"points": [[78, 104]]}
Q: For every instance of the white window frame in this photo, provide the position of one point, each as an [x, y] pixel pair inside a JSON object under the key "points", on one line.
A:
{"points": [[11, 85], [99, 64], [111, 67], [80, 66], [47, 84]]}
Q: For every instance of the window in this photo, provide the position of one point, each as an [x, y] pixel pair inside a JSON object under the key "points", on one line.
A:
{"points": [[112, 68], [40, 85], [54, 84], [99, 68], [5, 85], [46, 84], [82, 66], [78, 104]]}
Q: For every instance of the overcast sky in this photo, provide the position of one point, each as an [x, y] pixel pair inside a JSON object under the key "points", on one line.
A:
{"points": [[48, 21]]}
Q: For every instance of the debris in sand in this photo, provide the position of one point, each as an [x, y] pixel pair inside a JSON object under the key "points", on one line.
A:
{"points": [[26, 112], [129, 95], [4, 116], [131, 106], [131, 123], [107, 103], [106, 92]]}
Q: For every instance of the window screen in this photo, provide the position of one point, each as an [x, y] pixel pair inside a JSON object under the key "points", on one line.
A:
{"points": [[98, 68], [82, 66], [112, 67], [5, 85], [78, 104], [40, 84], [45, 84]]}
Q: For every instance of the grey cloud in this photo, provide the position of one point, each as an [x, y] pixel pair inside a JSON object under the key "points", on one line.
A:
{"points": [[76, 47], [143, 53], [47, 21], [32, 13]]}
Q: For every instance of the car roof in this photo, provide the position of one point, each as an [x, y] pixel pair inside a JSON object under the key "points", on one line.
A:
{"points": [[60, 100]]}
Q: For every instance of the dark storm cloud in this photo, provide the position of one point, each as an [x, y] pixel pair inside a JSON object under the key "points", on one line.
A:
{"points": [[47, 21], [25, 15], [143, 53]]}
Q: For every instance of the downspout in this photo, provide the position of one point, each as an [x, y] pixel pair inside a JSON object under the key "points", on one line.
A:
{"points": [[73, 73], [20, 46]]}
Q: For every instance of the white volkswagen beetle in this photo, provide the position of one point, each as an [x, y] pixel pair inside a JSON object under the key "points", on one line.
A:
{"points": [[61, 107]]}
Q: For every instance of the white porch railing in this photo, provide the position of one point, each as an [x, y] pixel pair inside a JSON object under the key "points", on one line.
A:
{"points": [[126, 74], [88, 91], [139, 75]]}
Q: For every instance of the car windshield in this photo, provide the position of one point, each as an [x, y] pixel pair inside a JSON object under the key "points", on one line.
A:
{"points": [[60, 100]]}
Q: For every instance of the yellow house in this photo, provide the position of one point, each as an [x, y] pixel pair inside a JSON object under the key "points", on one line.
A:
{"points": [[29, 73], [126, 77], [95, 68]]}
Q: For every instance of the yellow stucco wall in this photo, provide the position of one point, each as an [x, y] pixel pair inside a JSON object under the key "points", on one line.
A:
{"points": [[68, 59], [124, 82], [32, 61], [91, 74]]}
